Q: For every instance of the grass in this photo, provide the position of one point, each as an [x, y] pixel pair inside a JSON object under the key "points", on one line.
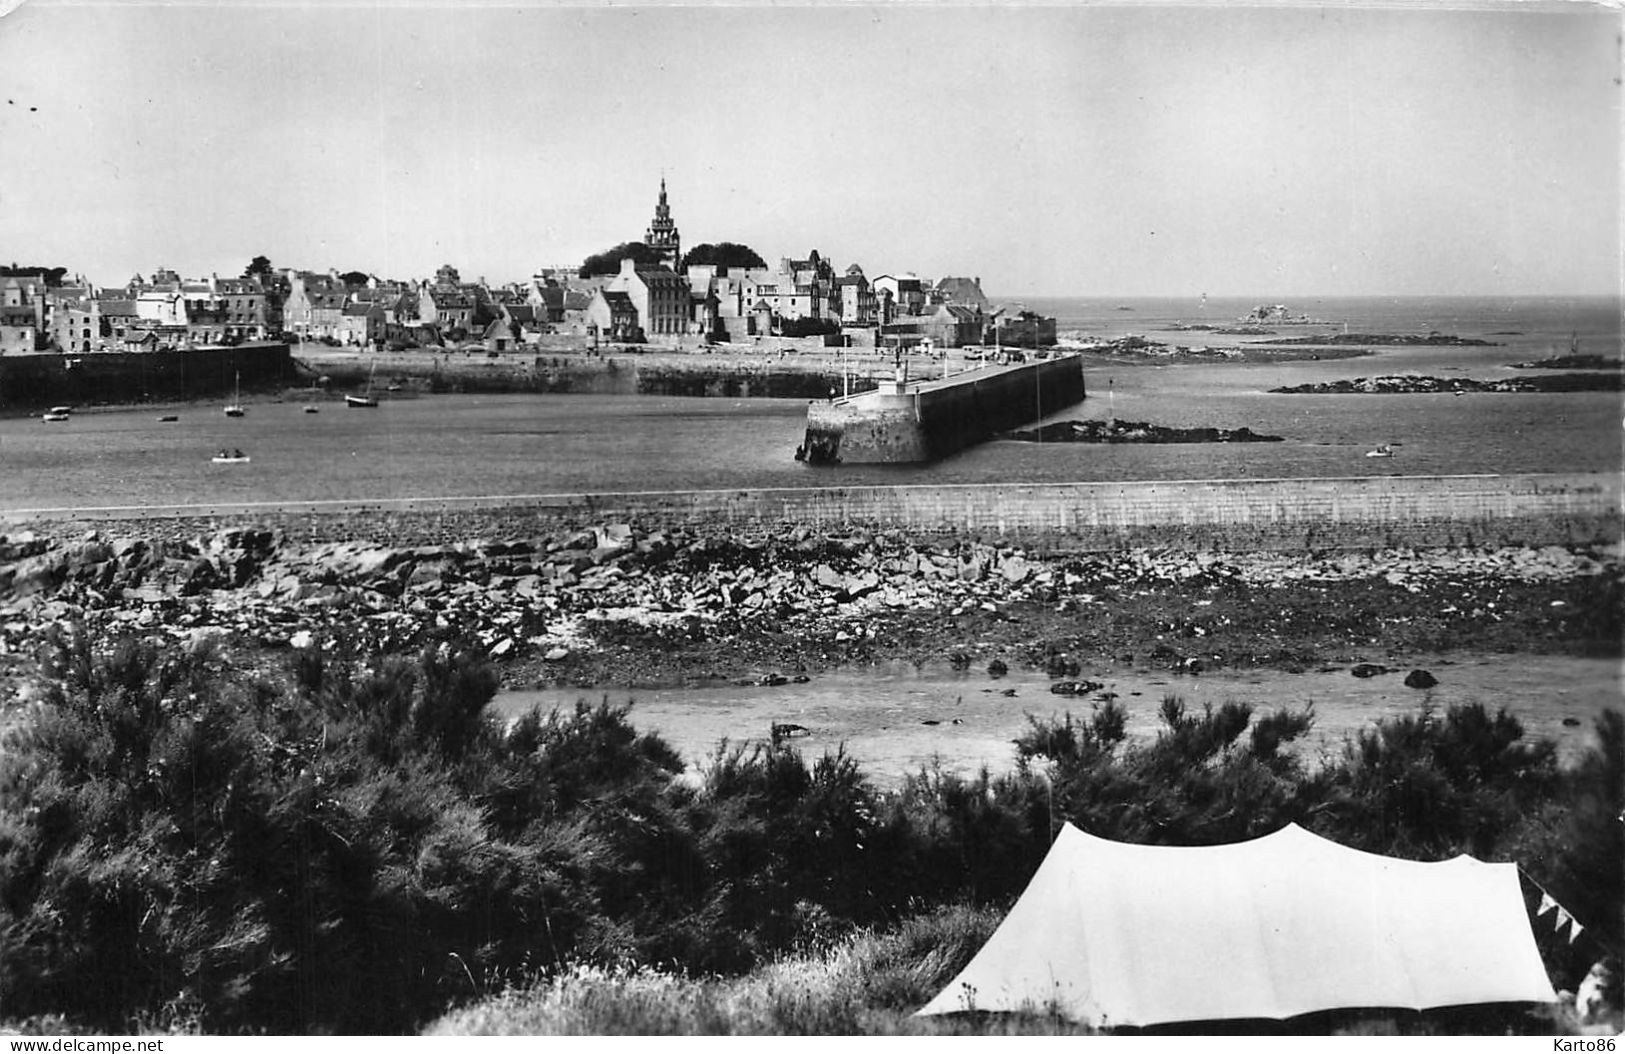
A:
{"points": [[869, 984]]}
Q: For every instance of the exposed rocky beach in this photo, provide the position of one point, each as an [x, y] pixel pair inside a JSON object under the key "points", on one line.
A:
{"points": [[647, 604]]}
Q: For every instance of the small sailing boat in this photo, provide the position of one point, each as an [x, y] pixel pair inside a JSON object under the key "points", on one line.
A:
{"points": [[232, 457], [235, 407], [368, 399], [1383, 450], [54, 415]]}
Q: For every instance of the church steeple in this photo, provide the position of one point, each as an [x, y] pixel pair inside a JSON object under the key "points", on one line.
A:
{"points": [[662, 234]]}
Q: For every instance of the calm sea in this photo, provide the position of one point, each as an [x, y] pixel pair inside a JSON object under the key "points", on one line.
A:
{"points": [[496, 445]]}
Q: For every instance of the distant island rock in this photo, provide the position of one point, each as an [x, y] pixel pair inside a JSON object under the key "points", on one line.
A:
{"points": [[1406, 385], [1134, 432], [1571, 362], [1435, 340], [1229, 331], [1136, 348]]}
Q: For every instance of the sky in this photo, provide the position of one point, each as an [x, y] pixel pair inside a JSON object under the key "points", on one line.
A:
{"points": [[1121, 149]]}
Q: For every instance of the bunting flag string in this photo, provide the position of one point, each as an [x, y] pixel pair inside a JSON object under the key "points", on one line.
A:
{"points": [[1562, 917]]}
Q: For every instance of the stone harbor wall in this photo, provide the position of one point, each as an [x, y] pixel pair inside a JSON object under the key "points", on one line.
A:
{"points": [[1191, 515], [32, 382]]}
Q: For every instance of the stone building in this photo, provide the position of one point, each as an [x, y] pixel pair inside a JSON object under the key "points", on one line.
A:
{"points": [[857, 298], [660, 296], [613, 315], [19, 330]]}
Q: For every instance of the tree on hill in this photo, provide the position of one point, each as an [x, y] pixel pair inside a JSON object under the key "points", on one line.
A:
{"points": [[609, 261], [258, 267], [724, 254], [354, 278]]}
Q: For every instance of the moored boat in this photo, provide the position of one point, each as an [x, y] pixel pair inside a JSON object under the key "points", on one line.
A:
{"points": [[366, 399], [235, 407]]}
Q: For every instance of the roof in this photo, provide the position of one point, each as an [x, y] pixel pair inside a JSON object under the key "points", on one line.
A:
{"points": [[16, 316], [118, 306], [661, 276], [450, 298], [1129, 935], [967, 289], [359, 308], [616, 298]]}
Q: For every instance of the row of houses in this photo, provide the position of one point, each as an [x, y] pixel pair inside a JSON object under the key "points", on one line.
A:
{"points": [[162, 311], [664, 300]]}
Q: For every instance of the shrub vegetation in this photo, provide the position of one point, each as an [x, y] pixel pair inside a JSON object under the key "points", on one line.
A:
{"points": [[349, 843]]}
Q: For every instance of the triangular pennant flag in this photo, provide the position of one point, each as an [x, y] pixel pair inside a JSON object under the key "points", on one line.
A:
{"points": [[1575, 930], [1546, 903], [1563, 918]]}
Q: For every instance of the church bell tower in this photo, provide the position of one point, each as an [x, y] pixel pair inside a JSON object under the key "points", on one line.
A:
{"points": [[662, 234]]}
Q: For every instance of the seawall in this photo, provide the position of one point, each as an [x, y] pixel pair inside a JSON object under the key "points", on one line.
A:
{"points": [[930, 419], [610, 374], [1192, 515], [31, 382]]}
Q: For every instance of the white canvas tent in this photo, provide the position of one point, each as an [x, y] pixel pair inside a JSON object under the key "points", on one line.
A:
{"points": [[1130, 935]]}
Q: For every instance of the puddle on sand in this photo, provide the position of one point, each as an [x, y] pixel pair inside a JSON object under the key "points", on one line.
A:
{"points": [[895, 719]]}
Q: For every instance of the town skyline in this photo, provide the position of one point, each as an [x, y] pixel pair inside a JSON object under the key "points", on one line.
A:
{"points": [[1112, 151]]}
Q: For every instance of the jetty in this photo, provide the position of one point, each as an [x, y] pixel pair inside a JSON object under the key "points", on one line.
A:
{"points": [[906, 421]]}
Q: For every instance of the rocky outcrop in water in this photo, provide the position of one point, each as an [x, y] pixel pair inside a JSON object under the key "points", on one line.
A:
{"points": [[1432, 340], [1115, 431], [1411, 385], [1571, 362]]}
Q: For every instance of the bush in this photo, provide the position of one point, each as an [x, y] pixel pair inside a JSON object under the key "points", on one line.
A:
{"points": [[351, 844], [1418, 786], [302, 859]]}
